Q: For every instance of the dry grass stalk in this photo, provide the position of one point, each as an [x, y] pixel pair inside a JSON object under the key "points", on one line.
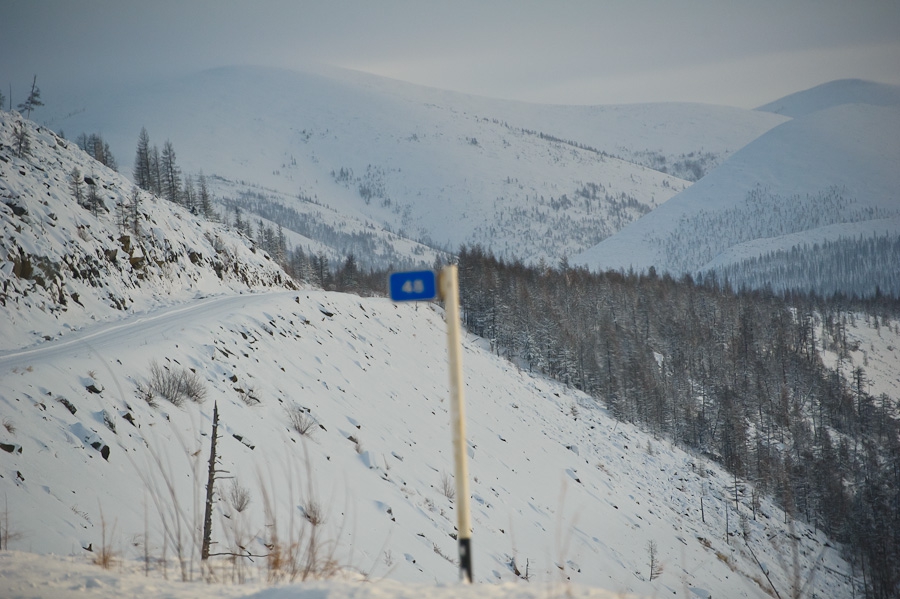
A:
{"points": [[105, 555], [175, 385], [448, 487], [301, 420], [299, 549], [7, 534]]}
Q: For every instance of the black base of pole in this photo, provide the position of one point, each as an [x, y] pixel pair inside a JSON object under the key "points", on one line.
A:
{"points": [[465, 559]]}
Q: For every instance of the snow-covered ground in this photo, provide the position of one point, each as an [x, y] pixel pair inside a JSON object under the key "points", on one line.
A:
{"points": [[32, 576], [333, 423], [557, 485]]}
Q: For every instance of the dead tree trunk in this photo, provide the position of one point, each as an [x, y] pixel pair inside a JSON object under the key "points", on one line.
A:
{"points": [[210, 485]]}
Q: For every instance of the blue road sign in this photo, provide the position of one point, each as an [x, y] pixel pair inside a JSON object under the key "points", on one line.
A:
{"points": [[417, 285]]}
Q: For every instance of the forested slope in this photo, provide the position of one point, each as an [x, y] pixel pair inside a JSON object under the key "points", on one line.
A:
{"points": [[736, 376]]}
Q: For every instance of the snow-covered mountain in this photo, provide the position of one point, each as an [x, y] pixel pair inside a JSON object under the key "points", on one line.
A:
{"points": [[333, 423], [811, 204], [442, 168], [834, 93]]}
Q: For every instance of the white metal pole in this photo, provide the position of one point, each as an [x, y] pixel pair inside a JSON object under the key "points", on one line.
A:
{"points": [[449, 288]]}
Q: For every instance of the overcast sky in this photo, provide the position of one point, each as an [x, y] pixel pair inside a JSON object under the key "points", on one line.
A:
{"points": [[741, 53]]}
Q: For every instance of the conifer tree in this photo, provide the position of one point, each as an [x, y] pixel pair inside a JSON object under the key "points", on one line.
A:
{"points": [[239, 223], [349, 274], [141, 170], [188, 195], [94, 201], [33, 101], [135, 210], [97, 148], [322, 274], [280, 246], [156, 172], [204, 197], [171, 177], [23, 143], [102, 153], [75, 182]]}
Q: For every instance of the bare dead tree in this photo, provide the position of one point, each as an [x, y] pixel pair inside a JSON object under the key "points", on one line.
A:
{"points": [[210, 486]]}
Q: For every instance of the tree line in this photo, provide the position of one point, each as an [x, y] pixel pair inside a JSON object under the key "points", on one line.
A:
{"points": [[863, 266], [761, 215], [736, 376], [159, 173]]}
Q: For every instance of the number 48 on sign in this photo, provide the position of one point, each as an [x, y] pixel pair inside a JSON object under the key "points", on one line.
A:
{"points": [[418, 285]]}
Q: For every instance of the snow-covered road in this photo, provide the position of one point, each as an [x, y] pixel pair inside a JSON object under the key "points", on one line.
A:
{"points": [[134, 329]]}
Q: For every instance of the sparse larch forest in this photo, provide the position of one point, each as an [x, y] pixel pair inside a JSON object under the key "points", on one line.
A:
{"points": [[734, 376]]}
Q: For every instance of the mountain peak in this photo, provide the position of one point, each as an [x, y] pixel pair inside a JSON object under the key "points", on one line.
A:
{"points": [[834, 93]]}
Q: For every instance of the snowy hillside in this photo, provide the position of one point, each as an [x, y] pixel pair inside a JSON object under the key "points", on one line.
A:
{"points": [[558, 486], [810, 195], [834, 93], [873, 347], [317, 229], [65, 263], [333, 431], [436, 167]]}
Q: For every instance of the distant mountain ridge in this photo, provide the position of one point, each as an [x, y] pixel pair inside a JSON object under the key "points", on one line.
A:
{"points": [[399, 174], [527, 181], [834, 93], [828, 176]]}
